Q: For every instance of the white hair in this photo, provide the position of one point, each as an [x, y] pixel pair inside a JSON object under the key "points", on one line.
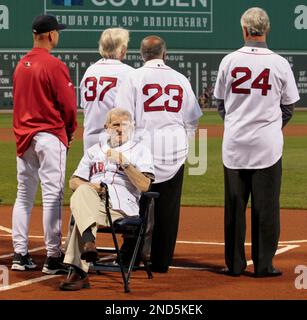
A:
{"points": [[256, 21], [118, 112], [112, 42]]}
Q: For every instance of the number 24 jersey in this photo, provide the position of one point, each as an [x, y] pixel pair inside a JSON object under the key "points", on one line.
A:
{"points": [[254, 82]]}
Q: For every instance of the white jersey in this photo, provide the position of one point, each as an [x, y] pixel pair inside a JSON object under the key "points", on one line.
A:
{"points": [[163, 105], [254, 82], [98, 90], [95, 168]]}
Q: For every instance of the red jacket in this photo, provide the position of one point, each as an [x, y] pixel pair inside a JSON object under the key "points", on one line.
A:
{"points": [[44, 99]]}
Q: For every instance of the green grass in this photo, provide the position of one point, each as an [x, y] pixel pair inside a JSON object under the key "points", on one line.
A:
{"points": [[212, 117], [209, 117], [6, 120], [204, 190], [208, 190]]}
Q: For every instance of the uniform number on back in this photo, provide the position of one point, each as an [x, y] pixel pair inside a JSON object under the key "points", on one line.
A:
{"points": [[155, 91], [261, 82], [91, 83]]}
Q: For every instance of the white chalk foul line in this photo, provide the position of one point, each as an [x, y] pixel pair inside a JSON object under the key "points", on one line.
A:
{"points": [[292, 241], [249, 262], [189, 268], [43, 278], [26, 282], [279, 251], [8, 230], [47, 277], [246, 243], [31, 250], [33, 237]]}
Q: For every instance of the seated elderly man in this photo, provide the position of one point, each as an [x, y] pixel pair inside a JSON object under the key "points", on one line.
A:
{"points": [[126, 167]]}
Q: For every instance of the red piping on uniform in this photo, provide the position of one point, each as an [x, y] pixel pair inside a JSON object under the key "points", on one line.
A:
{"points": [[109, 64], [61, 193], [160, 68], [257, 54], [115, 190]]}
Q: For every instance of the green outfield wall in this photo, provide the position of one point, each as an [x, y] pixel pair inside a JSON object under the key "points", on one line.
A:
{"points": [[198, 34]]}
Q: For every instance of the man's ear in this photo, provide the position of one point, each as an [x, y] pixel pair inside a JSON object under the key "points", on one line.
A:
{"points": [[123, 53], [164, 56], [245, 32]]}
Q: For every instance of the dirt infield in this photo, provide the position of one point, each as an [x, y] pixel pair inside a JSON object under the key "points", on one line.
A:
{"points": [[199, 253], [6, 134]]}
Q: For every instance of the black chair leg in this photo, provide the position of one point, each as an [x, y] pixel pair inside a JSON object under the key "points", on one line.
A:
{"points": [[120, 261], [135, 252]]}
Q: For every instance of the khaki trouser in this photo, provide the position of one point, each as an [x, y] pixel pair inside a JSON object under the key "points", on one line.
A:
{"points": [[89, 211]]}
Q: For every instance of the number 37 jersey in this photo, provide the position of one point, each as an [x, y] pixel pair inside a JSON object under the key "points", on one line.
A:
{"points": [[98, 90], [254, 82]]}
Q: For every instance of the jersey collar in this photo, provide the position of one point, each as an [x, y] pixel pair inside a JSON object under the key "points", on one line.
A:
{"points": [[122, 148], [155, 63], [110, 61], [256, 44], [36, 49]]}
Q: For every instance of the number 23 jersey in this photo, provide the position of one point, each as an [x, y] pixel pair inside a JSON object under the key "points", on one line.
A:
{"points": [[163, 105], [254, 82]]}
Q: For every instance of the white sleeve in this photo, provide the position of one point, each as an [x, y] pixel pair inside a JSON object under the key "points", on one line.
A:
{"points": [[192, 111], [219, 88], [125, 97], [84, 168], [191, 127], [143, 159], [82, 90], [289, 92]]}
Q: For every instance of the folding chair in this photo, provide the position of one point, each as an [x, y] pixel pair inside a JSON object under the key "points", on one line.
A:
{"points": [[140, 228]]}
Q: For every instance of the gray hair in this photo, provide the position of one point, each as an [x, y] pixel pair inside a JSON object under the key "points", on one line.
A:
{"points": [[256, 21], [117, 112], [152, 47], [112, 42]]}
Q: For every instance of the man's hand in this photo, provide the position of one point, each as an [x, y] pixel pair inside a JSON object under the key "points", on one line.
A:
{"points": [[97, 187], [116, 157], [70, 139]]}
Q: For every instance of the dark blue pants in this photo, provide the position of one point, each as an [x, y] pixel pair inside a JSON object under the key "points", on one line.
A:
{"points": [[167, 210], [264, 187]]}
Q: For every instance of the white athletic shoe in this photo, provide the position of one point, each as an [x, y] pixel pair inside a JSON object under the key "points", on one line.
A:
{"points": [[22, 263]]}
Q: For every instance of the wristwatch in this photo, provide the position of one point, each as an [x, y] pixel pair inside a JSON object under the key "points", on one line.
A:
{"points": [[125, 165]]}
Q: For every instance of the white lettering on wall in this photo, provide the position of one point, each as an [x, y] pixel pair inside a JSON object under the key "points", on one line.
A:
{"points": [[4, 17], [301, 20], [151, 3]]}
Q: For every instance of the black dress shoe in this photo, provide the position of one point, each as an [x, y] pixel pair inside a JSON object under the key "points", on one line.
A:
{"points": [[227, 272], [159, 269], [273, 273]]}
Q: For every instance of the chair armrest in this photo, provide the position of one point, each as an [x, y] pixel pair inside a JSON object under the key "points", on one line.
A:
{"points": [[151, 194], [103, 185]]}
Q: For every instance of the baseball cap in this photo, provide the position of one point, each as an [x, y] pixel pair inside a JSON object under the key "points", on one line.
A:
{"points": [[45, 23]]}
